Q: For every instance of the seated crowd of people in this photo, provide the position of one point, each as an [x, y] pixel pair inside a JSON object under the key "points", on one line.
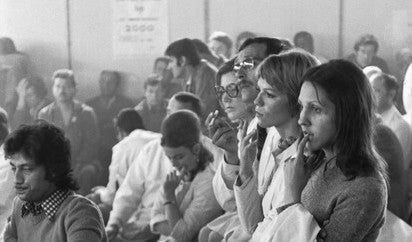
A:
{"points": [[258, 140]]}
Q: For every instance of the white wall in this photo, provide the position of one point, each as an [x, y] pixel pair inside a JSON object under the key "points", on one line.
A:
{"points": [[39, 29]]}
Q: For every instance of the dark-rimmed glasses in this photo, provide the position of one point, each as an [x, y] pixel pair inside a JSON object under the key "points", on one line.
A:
{"points": [[232, 90]]}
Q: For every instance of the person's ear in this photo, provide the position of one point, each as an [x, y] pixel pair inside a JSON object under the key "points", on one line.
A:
{"points": [[182, 61], [196, 149]]}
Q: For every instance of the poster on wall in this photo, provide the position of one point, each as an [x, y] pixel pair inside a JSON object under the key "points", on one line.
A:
{"points": [[140, 28]]}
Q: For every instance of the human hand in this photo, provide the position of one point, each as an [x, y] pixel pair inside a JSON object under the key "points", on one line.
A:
{"points": [[95, 194], [248, 150], [170, 185], [296, 175], [112, 230], [222, 133]]}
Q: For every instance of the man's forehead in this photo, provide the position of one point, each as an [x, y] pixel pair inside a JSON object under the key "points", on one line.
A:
{"points": [[255, 50]]}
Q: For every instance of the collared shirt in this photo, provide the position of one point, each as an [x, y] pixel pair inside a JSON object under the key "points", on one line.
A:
{"points": [[48, 206]]}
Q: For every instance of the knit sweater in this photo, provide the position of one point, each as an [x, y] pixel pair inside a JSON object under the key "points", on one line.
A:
{"points": [[347, 210], [77, 219]]}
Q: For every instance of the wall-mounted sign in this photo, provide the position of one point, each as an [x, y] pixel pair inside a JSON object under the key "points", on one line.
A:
{"points": [[140, 27]]}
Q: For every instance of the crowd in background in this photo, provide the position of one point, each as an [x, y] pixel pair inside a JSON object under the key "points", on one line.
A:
{"points": [[260, 139]]}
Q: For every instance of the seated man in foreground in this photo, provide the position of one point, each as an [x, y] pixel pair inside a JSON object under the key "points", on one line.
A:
{"points": [[46, 207]]}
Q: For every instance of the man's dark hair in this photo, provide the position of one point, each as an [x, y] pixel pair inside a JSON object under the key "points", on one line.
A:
{"points": [[184, 47], [367, 39], [273, 45], [46, 146], [201, 47], [128, 120], [192, 99]]}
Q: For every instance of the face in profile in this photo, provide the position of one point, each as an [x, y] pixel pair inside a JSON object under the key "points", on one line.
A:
{"points": [[183, 159], [365, 54], [153, 95], [382, 95], [160, 68], [247, 61], [176, 67], [240, 107], [63, 90], [32, 98], [317, 117], [30, 179], [271, 106]]}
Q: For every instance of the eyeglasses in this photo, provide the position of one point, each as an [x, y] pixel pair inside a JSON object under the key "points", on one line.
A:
{"points": [[232, 90], [248, 64]]}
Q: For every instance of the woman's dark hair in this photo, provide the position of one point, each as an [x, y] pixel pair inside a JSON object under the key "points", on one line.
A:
{"points": [[46, 146], [37, 83], [350, 92], [285, 71], [225, 68], [182, 128], [128, 119]]}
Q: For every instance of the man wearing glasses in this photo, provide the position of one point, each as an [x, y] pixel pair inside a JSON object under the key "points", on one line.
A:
{"points": [[251, 53]]}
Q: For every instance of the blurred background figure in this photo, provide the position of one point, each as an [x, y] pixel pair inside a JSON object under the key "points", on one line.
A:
{"points": [[153, 107], [366, 50], [106, 106], [6, 176], [14, 66], [206, 54], [221, 44], [32, 97], [242, 37], [304, 40], [78, 121], [169, 84]]}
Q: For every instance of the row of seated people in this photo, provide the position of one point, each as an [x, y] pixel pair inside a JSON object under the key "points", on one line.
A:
{"points": [[293, 124]]}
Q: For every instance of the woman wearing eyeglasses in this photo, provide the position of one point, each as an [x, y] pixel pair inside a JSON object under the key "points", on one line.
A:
{"points": [[236, 99], [279, 80]]}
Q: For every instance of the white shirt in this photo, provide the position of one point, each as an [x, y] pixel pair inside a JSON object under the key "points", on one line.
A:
{"points": [[407, 94], [124, 153], [137, 193], [394, 120]]}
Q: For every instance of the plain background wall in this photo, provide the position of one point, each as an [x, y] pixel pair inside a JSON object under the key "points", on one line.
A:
{"points": [[39, 29]]}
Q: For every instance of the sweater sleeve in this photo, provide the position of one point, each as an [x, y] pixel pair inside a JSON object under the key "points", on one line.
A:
{"points": [[10, 231], [84, 222], [358, 213]]}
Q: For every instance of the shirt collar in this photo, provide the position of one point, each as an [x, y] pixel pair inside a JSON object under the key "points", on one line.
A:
{"points": [[48, 206]]}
